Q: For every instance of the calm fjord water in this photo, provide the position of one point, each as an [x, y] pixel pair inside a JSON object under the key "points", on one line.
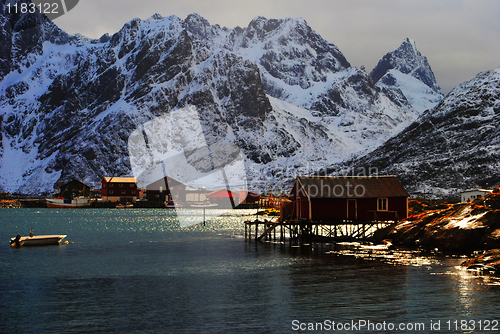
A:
{"points": [[137, 271]]}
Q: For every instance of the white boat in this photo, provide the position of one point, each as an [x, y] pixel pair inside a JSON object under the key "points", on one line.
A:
{"points": [[38, 240], [81, 202], [204, 206]]}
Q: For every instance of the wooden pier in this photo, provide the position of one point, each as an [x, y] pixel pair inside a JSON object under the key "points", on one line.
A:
{"points": [[302, 229]]}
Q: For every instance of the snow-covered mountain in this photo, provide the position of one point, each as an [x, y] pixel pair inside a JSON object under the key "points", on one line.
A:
{"points": [[453, 147], [405, 70], [286, 97]]}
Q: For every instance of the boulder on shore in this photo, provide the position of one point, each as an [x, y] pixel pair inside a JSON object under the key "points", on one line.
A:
{"points": [[488, 262], [462, 227]]}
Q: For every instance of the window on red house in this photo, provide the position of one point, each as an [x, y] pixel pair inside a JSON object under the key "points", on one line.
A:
{"points": [[382, 204]]}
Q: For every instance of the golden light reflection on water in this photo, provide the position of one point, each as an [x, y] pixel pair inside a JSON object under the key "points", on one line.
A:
{"points": [[386, 255], [434, 261], [475, 276]]}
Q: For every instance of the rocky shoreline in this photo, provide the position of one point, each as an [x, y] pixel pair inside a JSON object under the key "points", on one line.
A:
{"points": [[22, 203], [10, 204], [465, 228]]}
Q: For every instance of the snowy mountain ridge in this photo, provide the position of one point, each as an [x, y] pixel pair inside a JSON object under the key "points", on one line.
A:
{"points": [[451, 148], [286, 97]]}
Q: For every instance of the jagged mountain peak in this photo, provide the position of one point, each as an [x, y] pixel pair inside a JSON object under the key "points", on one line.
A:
{"points": [[407, 60], [196, 19], [289, 51], [452, 147], [269, 25], [281, 33], [405, 71]]}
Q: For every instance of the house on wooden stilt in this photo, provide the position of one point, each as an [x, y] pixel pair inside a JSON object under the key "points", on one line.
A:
{"points": [[354, 199]]}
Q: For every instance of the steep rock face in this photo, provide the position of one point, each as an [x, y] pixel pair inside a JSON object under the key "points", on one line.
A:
{"points": [[452, 147], [408, 71], [299, 67], [71, 112], [22, 35], [290, 51], [285, 96]]}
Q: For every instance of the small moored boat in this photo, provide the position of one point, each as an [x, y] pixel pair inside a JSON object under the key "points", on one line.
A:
{"points": [[82, 202], [38, 240]]}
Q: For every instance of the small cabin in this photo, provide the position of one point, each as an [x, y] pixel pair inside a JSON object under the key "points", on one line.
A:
{"points": [[336, 199], [248, 197], [470, 195], [166, 189], [119, 189]]}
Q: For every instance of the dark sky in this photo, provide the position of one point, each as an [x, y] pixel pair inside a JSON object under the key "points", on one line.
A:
{"points": [[459, 38]]}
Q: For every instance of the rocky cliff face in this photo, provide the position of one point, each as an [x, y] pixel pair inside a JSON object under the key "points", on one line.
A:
{"points": [[451, 147], [276, 89], [407, 71]]}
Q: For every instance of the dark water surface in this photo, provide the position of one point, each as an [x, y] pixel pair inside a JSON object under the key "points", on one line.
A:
{"points": [[137, 271]]}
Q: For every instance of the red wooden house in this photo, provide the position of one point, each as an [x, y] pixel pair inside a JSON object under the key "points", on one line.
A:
{"points": [[248, 197], [357, 199], [119, 189]]}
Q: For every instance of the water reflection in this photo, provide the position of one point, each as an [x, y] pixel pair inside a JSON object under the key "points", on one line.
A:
{"points": [[133, 271]]}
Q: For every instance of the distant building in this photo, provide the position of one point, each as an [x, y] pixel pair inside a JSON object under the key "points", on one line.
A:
{"points": [[119, 189], [166, 189], [95, 193], [74, 189], [196, 196], [224, 198], [248, 197], [333, 199], [471, 195]]}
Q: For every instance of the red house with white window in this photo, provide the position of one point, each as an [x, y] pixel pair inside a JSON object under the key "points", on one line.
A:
{"points": [[357, 199], [119, 189]]}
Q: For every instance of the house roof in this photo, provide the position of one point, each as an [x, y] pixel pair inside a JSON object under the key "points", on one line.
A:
{"points": [[248, 195], [171, 183], [113, 179], [350, 186], [222, 193], [477, 190]]}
